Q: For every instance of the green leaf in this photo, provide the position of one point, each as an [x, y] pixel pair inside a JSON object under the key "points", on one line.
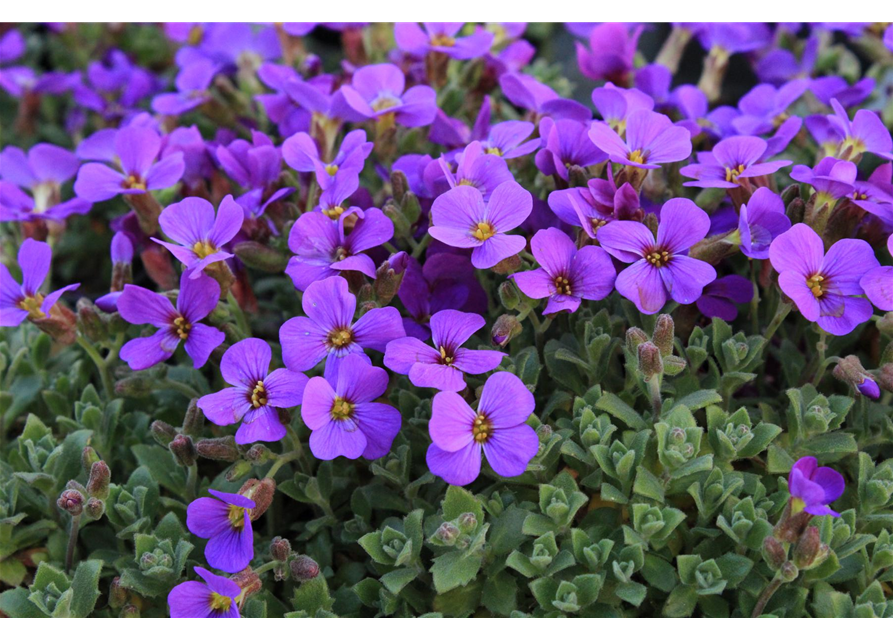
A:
{"points": [[454, 569], [620, 410], [85, 586], [459, 501], [313, 597], [681, 603], [500, 593], [396, 580]]}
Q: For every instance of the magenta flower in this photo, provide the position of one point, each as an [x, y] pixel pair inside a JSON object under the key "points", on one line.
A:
{"points": [[213, 598], [42, 172], [566, 146], [722, 297], [18, 302], [614, 104], [340, 411], [731, 159], [878, 283], [441, 366], [875, 195], [441, 37], [301, 154], [651, 140], [192, 85], [255, 394], [136, 149], [497, 428], [329, 332], [378, 92], [226, 522], [612, 48], [814, 488], [322, 249], [825, 288], [567, 275], [198, 234], [462, 219], [760, 221], [198, 297], [661, 267]]}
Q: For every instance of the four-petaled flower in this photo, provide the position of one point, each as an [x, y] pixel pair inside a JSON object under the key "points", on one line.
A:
{"points": [[20, 301], [878, 283], [216, 597], [731, 160], [651, 140], [813, 488], [225, 520], [760, 221]]}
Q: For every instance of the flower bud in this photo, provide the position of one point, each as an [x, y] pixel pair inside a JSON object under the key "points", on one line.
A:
{"points": [[774, 553], [507, 265], [447, 533], [262, 492], [544, 433], [504, 329], [60, 325], [650, 363], [399, 185], [248, 580], [183, 450], [808, 548], [118, 595], [223, 449], [88, 457], [664, 333], [885, 324], [238, 470], [258, 453], [885, 377], [90, 322], [129, 611], [388, 277], [673, 365], [577, 176], [467, 522], [869, 388], [163, 432], [303, 568], [280, 549], [147, 210], [138, 386], [194, 419], [98, 482], [850, 370], [509, 295], [789, 572], [261, 257], [635, 337], [94, 508], [71, 501]]}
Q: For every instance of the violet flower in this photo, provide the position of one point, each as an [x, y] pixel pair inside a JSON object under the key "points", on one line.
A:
{"points": [[441, 37], [731, 160], [529, 93], [12, 46], [497, 428], [595, 205], [760, 221], [378, 92], [614, 104], [836, 88], [764, 107], [878, 283], [462, 219], [443, 365], [197, 299], [875, 195], [612, 48], [253, 165], [113, 86], [661, 267], [566, 275], [651, 140], [814, 488], [192, 85], [832, 179], [866, 132], [721, 297], [225, 520], [301, 154], [21, 301], [216, 597], [474, 168], [825, 287], [42, 172], [329, 332], [340, 411], [566, 146], [255, 395]]}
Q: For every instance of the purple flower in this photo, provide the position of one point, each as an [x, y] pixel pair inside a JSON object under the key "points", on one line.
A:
{"points": [[198, 234], [198, 297], [651, 140], [813, 488], [377, 92], [322, 248], [226, 523], [614, 104], [661, 268], [722, 297], [192, 89], [612, 48], [832, 178], [121, 249], [567, 275], [878, 284], [340, 411], [441, 37], [567, 145], [596, 205], [21, 301], [875, 195], [255, 393], [113, 86], [731, 160], [764, 107], [442, 365], [42, 172], [329, 332], [733, 37], [692, 105], [462, 219], [531, 94], [12, 46], [760, 221], [474, 168], [216, 597], [232, 44], [498, 428], [301, 154], [253, 165], [836, 88], [866, 132], [824, 287], [136, 149]]}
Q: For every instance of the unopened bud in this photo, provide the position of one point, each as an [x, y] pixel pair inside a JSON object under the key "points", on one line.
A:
{"points": [[239, 470], [399, 185], [117, 594], [98, 482], [261, 257], [885, 324], [544, 433], [183, 450], [90, 322], [71, 501], [303, 568], [447, 533], [223, 449], [664, 333], [807, 548], [138, 386], [577, 176], [388, 277], [280, 549], [635, 337], [509, 295], [788, 572], [60, 325], [650, 363], [467, 522], [257, 453], [673, 365], [885, 377], [869, 388], [94, 508], [129, 611], [262, 492], [163, 432], [248, 580], [504, 329], [507, 265], [774, 553], [850, 370], [194, 419], [88, 457]]}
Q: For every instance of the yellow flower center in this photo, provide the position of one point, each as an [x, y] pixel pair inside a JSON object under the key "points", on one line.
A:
{"points": [[258, 395], [797, 505], [637, 156], [384, 102], [445, 358], [218, 602], [815, 285], [733, 173], [236, 516], [465, 182], [182, 327], [134, 182], [339, 337], [341, 409], [481, 428], [494, 151], [335, 212], [203, 249], [658, 257], [331, 169], [441, 40], [562, 286], [483, 231], [32, 305]]}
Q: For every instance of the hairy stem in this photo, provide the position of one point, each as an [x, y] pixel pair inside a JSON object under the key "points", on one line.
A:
{"points": [[767, 594], [72, 541]]}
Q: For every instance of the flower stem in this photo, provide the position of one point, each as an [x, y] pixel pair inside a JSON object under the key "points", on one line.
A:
{"points": [[282, 460], [236, 311], [821, 348], [72, 541], [767, 594], [191, 481], [656, 402], [421, 246], [784, 308], [101, 365]]}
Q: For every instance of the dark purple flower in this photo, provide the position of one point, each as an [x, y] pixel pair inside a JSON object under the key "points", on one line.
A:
{"points": [[216, 597], [113, 86], [813, 488], [441, 37], [200, 235], [377, 92], [566, 146], [661, 267], [340, 411], [651, 140], [42, 172], [878, 283], [764, 107], [442, 366], [192, 89], [462, 219], [253, 165], [136, 149], [329, 332], [825, 288], [255, 393], [301, 154], [198, 297], [497, 428], [226, 522], [596, 205], [731, 159], [760, 221], [531, 94], [21, 301], [869, 388], [566, 275], [721, 297], [612, 48]]}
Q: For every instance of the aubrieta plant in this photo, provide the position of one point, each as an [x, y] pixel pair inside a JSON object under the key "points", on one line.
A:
{"points": [[446, 322]]}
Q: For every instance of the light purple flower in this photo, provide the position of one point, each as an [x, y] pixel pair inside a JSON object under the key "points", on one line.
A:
{"points": [[42, 172], [441, 37], [529, 93], [329, 332], [136, 149], [875, 195], [442, 366], [661, 268], [379, 92], [225, 520], [192, 89], [651, 140], [731, 160], [566, 275], [21, 301], [612, 48], [760, 221], [213, 598], [878, 283], [832, 178], [253, 165], [462, 219], [12, 46], [497, 428], [722, 297], [198, 297], [566, 145], [199, 235], [814, 488], [836, 88], [340, 411], [764, 107], [301, 154], [474, 168], [255, 394], [825, 288], [596, 205]]}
